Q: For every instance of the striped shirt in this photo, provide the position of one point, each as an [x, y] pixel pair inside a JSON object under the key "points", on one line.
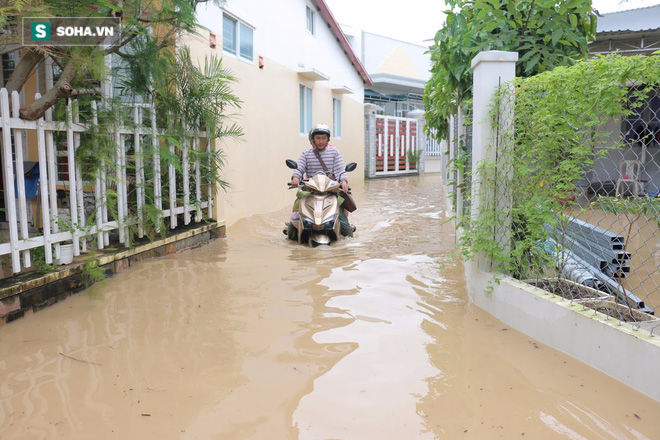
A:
{"points": [[308, 163]]}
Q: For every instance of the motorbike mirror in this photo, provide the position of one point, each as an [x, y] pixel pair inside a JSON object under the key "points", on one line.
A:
{"points": [[350, 167], [292, 164]]}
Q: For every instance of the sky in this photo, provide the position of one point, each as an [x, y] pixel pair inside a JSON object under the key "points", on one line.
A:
{"points": [[416, 21]]}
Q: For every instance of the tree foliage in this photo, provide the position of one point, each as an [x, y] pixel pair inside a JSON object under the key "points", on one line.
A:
{"points": [[145, 51], [145, 66], [545, 33]]}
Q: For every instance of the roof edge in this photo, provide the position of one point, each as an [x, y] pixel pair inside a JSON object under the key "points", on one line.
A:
{"points": [[343, 41], [626, 10], [385, 78]]}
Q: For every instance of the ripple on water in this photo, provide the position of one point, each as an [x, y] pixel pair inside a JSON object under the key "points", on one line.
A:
{"points": [[388, 367]]}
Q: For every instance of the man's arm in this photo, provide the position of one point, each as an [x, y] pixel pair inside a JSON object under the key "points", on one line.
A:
{"points": [[339, 168], [300, 171]]}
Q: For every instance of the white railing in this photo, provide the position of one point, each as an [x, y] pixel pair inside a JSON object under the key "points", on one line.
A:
{"points": [[112, 200], [433, 147]]}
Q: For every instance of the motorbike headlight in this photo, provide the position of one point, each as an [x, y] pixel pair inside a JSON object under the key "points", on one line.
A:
{"points": [[329, 223], [307, 222]]}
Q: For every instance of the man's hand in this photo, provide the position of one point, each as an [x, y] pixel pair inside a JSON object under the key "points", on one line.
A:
{"points": [[295, 181], [344, 186]]}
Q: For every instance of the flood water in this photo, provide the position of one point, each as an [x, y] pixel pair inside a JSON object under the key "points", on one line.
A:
{"points": [[255, 337]]}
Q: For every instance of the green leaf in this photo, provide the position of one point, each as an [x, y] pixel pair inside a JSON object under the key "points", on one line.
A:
{"points": [[556, 35], [574, 3]]}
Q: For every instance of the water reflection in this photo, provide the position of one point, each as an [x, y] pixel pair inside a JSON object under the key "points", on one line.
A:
{"points": [[371, 392]]}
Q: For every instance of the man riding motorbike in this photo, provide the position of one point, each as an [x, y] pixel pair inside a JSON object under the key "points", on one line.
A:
{"points": [[310, 164]]}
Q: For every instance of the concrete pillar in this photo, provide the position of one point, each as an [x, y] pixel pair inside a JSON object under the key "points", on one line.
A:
{"points": [[370, 111], [491, 69], [421, 136]]}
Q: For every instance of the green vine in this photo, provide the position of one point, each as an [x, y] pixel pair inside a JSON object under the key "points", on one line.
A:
{"points": [[560, 120]]}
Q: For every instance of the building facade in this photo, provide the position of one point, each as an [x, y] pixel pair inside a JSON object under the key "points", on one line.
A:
{"points": [[294, 69]]}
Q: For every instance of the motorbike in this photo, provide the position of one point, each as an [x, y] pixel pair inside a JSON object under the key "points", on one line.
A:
{"points": [[316, 217]]}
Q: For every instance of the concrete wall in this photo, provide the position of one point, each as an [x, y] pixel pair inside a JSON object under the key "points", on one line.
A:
{"points": [[433, 164], [270, 95]]}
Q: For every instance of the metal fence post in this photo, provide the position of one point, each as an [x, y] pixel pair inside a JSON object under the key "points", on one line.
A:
{"points": [[491, 69]]}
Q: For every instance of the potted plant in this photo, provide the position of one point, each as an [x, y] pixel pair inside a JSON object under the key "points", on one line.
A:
{"points": [[414, 156], [66, 253]]}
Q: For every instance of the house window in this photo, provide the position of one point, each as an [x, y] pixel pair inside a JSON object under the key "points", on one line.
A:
{"points": [[642, 125], [119, 84], [310, 20], [8, 65], [336, 118], [237, 38], [9, 61], [305, 109]]}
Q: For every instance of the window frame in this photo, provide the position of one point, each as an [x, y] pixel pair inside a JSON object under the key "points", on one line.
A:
{"points": [[305, 99], [239, 36], [8, 62], [336, 118], [310, 17]]}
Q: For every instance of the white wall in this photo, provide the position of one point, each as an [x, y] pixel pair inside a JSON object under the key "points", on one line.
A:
{"points": [[270, 109], [281, 36]]}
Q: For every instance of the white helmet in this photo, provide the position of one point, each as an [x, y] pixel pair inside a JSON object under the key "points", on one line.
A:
{"points": [[319, 129]]}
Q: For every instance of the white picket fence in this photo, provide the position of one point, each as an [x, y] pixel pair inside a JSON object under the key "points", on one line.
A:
{"points": [[433, 147], [79, 230]]}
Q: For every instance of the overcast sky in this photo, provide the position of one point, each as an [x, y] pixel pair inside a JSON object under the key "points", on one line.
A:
{"points": [[415, 21]]}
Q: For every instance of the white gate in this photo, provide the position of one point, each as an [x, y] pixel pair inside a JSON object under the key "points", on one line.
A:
{"points": [[393, 145]]}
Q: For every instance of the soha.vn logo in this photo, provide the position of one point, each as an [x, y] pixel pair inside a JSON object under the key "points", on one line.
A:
{"points": [[40, 31], [71, 31]]}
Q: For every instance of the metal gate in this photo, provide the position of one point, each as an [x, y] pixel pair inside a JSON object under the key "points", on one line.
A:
{"points": [[397, 142]]}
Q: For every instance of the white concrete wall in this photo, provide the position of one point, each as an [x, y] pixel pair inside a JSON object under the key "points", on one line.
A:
{"points": [[270, 110], [433, 164]]}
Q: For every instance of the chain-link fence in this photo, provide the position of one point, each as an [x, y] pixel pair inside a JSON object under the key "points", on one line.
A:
{"points": [[461, 160], [570, 203]]}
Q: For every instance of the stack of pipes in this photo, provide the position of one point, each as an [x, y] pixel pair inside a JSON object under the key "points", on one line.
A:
{"points": [[593, 256]]}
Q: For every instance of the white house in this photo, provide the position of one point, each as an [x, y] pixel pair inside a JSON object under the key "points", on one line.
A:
{"points": [[295, 68], [399, 71]]}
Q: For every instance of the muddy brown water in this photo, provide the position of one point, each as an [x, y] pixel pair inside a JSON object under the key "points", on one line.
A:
{"points": [[254, 337]]}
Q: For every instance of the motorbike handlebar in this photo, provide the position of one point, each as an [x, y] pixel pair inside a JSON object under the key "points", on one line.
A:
{"points": [[302, 183]]}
